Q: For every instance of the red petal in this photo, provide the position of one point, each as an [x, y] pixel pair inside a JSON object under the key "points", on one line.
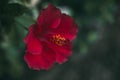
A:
{"points": [[45, 60], [49, 17], [32, 61], [63, 53], [67, 27], [32, 43]]}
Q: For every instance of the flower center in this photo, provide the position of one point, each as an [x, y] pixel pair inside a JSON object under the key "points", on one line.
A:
{"points": [[58, 39]]}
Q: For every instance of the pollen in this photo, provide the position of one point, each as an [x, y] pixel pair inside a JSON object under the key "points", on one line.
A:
{"points": [[58, 40]]}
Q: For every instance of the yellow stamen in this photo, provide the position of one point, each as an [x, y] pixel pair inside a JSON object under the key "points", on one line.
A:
{"points": [[58, 39]]}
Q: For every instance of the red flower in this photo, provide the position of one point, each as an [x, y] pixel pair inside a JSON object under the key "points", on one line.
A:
{"points": [[50, 39]]}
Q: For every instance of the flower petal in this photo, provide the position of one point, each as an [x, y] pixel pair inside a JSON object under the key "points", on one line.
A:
{"points": [[45, 60], [67, 27], [33, 44], [63, 53], [32, 61], [49, 17]]}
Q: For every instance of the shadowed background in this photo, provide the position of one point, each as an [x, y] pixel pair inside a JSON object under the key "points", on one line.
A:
{"points": [[96, 53]]}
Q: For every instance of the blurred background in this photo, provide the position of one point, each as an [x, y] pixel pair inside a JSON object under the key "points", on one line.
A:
{"points": [[96, 53]]}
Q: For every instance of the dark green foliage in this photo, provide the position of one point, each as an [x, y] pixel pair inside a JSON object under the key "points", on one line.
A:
{"points": [[96, 53], [14, 9], [8, 11]]}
